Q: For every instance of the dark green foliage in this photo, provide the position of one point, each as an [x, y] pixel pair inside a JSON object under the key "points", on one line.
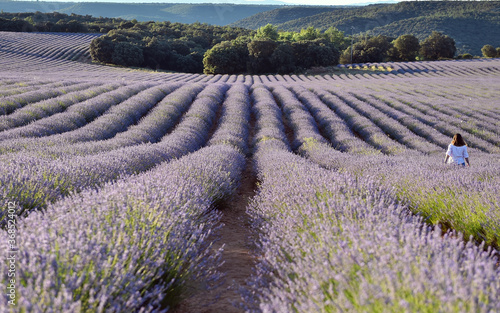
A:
{"points": [[438, 46], [465, 56], [498, 52], [405, 48], [227, 57], [166, 46], [127, 54], [267, 32], [101, 50], [56, 22], [489, 51], [283, 58], [372, 49], [260, 52], [310, 53], [15, 25], [471, 23], [337, 38]]}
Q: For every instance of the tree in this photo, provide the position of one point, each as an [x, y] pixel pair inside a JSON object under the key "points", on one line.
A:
{"points": [[489, 51], [283, 59], [267, 32], [127, 54], [227, 57], [438, 46], [101, 49], [309, 33], [406, 48], [337, 38], [373, 49], [317, 52], [260, 52]]}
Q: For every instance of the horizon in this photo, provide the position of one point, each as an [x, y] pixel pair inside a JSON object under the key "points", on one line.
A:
{"points": [[249, 2]]}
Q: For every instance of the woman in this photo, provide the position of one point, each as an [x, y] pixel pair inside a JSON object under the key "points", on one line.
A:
{"points": [[457, 150]]}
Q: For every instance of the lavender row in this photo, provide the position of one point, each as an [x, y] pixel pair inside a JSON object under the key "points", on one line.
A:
{"points": [[233, 128], [334, 243], [56, 46], [74, 117], [298, 118], [308, 142], [444, 123], [45, 108], [9, 104], [132, 246], [465, 123], [11, 87], [360, 124], [478, 94], [477, 114], [332, 126], [269, 118], [409, 121], [389, 125], [161, 120], [114, 120], [468, 100], [35, 182]]}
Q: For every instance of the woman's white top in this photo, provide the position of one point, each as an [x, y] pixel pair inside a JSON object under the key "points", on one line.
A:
{"points": [[458, 154]]}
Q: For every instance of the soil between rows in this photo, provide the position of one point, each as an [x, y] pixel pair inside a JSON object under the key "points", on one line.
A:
{"points": [[239, 259]]}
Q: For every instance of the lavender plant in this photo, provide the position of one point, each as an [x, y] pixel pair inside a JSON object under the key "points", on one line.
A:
{"points": [[332, 243], [131, 246]]}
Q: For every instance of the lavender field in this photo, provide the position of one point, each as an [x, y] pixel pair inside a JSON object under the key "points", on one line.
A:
{"points": [[114, 183]]}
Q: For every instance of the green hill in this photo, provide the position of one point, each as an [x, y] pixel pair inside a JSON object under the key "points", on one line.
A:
{"points": [[214, 14], [471, 23]]}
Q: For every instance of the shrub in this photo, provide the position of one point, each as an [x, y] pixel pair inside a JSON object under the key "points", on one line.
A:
{"points": [[283, 59], [127, 54], [101, 49], [438, 46], [465, 56], [489, 51], [227, 57], [317, 52], [260, 52], [374, 49], [405, 48]]}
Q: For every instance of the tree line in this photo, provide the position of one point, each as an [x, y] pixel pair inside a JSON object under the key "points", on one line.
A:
{"points": [[198, 48], [271, 51], [56, 22]]}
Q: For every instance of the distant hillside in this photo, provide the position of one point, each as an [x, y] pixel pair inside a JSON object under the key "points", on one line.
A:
{"points": [[214, 14], [471, 23], [281, 15]]}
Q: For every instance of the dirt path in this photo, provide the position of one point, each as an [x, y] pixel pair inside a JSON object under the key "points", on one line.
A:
{"points": [[238, 240]]}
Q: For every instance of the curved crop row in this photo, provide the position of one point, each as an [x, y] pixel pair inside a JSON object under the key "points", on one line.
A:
{"points": [[360, 124], [388, 124], [72, 118], [339, 134], [9, 104], [132, 246], [45, 108], [36, 182]]}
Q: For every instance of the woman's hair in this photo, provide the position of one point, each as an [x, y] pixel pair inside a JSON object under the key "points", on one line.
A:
{"points": [[458, 141]]}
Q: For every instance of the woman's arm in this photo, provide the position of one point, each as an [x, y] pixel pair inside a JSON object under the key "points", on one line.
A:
{"points": [[446, 159], [467, 160]]}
